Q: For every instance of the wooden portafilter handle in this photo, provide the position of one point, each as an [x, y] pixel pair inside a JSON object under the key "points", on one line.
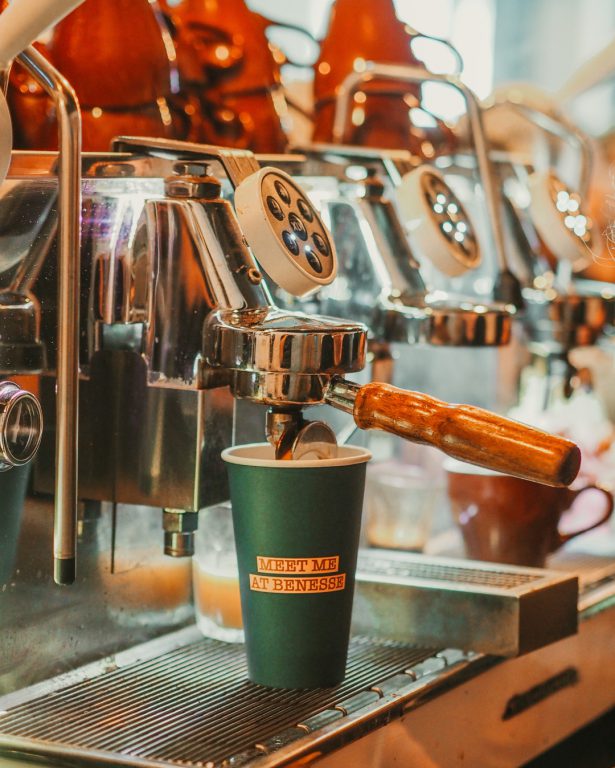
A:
{"points": [[464, 432]]}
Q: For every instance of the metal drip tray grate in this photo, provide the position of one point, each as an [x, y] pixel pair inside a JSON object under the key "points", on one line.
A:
{"points": [[591, 568], [191, 705], [440, 571], [488, 608]]}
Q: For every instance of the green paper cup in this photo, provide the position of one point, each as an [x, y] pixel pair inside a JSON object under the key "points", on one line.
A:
{"points": [[297, 527]]}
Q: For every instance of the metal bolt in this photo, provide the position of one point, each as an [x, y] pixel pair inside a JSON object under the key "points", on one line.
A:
{"points": [[194, 187], [113, 170], [374, 188], [190, 168]]}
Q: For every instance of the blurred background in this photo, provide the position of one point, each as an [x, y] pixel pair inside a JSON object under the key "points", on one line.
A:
{"points": [[541, 42]]}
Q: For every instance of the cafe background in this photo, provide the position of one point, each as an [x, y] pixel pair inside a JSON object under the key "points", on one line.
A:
{"points": [[541, 42]]}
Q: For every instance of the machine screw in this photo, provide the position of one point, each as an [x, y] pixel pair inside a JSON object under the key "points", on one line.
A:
{"points": [[190, 168], [374, 188]]}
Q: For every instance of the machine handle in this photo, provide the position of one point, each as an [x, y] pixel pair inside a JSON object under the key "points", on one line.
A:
{"points": [[463, 431]]}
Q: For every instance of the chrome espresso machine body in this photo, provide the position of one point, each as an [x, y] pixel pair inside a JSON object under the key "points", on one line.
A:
{"points": [[157, 234], [174, 313], [383, 258], [177, 328]]}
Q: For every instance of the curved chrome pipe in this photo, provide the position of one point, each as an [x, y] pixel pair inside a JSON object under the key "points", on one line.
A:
{"points": [[69, 258]]}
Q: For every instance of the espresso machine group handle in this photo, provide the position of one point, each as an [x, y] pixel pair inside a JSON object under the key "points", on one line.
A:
{"points": [[464, 432]]}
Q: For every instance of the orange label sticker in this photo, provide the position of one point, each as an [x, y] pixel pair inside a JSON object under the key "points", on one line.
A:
{"points": [[297, 564], [307, 585]]}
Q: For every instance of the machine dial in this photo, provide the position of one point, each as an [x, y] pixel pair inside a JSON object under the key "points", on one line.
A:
{"points": [[557, 214], [437, 224], [285, 231]]}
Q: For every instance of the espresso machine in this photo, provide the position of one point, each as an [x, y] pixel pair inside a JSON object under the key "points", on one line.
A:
{"points": [[171, 328], [380, 278], [399, 227], [228, 332]]}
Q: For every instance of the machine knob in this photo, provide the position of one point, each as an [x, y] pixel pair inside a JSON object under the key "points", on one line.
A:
{"points": [[557, 214], [285, 232], [21, 426], [437, 224]]}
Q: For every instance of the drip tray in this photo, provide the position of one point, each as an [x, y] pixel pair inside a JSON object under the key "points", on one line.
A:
{"points": [[488, 608], [185, 700]]}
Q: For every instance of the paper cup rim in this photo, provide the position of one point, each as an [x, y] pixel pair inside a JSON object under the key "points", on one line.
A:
{"points": [[353, 455]]}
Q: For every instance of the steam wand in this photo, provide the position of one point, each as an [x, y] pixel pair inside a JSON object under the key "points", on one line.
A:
{"points": [[69, 181]]}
